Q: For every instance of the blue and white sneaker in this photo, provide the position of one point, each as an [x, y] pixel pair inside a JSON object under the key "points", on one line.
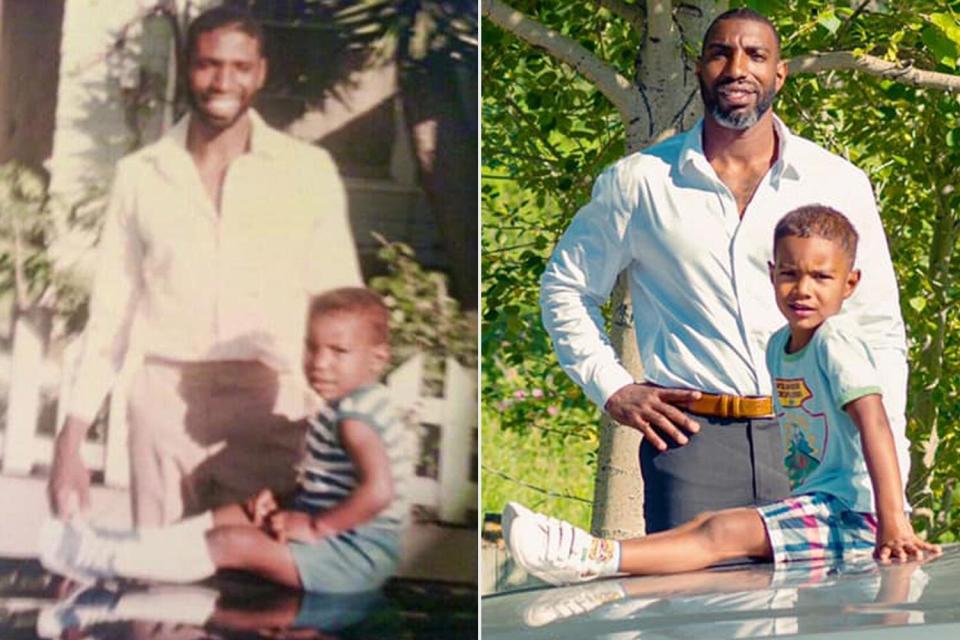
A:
{"points": [[84, 608], [73, 550]]}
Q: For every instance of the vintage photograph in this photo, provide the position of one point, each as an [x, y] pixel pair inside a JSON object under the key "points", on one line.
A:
{"points": [[238, 262]]}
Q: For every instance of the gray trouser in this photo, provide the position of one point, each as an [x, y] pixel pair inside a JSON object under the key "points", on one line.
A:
{"points": [[729, 463]]}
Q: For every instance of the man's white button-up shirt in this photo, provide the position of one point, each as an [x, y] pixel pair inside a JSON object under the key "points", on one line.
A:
{"points": [[205, 286], [703, 304]]}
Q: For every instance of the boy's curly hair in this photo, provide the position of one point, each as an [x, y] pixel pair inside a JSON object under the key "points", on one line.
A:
{"points": [[360, 302], [818, 221]]}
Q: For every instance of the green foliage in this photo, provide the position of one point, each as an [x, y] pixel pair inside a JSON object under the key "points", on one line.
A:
{"points": [[423, 316], [548, 133], [549, 471], [25, 226]]}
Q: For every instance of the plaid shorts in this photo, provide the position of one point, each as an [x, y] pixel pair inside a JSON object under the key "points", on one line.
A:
{"points": [[816, 526]]}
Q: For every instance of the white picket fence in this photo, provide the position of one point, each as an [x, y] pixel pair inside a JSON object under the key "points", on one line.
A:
{"points": [[452, 495]]}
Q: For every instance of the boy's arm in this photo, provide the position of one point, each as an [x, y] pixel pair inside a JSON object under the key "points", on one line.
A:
{"points": [[373, 493], [895, 536]]}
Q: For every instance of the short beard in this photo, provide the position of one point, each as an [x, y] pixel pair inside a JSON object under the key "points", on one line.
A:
{"points": [[738, 121]]}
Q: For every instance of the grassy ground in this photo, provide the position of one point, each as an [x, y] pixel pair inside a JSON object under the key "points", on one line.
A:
{"points": [[564, 467]]}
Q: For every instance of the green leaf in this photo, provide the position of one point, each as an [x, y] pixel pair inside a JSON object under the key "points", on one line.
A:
{"points": [[918, 303], [947, 25], [943, 50], [828, 20], [942, 38]]}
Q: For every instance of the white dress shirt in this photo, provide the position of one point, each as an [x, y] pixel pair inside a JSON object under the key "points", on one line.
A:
{"points": [[703, 303], [204, 286]]}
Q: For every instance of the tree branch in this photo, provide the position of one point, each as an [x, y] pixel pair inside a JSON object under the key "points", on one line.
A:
{"points": [[632, 13], [614, 86], [871, 65], [850, 20], [659, 19]]}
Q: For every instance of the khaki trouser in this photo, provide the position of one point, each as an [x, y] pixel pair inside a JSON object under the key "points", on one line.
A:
{"points": [[207, 434]]}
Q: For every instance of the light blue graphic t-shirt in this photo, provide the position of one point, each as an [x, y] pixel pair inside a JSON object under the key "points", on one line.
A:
{"points": [[822, 450]]}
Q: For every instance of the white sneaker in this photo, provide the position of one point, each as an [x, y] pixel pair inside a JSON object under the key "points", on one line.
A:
{"points": [[84, 608], [556, 604], [511, 512], [554, 550], [73, 550]]}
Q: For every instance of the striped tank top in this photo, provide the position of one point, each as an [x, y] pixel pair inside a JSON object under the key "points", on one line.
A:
{"points": [[327, 475]]}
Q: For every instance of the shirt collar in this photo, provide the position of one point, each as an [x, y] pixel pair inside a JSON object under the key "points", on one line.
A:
{"points": [[264, 139], [692, 156]]}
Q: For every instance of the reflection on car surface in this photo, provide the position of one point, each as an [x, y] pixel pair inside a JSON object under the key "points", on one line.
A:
{"points": [[851, 598], [35, 604]]}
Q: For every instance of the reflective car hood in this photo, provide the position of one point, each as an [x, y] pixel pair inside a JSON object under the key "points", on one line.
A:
{"points": [[854, 598]]}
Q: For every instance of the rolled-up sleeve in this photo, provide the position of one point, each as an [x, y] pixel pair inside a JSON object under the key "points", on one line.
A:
{"points": [[116, 290], [577, 281]]}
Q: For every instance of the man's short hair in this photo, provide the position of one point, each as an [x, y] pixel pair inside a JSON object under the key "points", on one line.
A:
{"points": [[818, 221], [741, 13], [360, 302], [219, 17]]}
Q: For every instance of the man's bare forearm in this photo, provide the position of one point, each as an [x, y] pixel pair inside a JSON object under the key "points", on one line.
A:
{"points": [[74, 432]]}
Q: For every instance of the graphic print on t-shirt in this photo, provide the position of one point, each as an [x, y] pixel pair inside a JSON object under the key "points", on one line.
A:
{"points": [[804, 433]]}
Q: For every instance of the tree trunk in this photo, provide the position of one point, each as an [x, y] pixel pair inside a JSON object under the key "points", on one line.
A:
{"points": [[618, 492], [667, 82]]}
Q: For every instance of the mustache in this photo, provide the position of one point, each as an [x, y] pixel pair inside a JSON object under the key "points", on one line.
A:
{"points": [[740, 83]]}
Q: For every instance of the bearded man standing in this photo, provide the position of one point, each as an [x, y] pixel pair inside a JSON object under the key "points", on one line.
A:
{"points": [[691, 221], [215, 236]]}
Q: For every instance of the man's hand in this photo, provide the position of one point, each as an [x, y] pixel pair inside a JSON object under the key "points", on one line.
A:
{"points": [[653, 411], [896, 540], [260, 506], [293, 525], [69, 486]]}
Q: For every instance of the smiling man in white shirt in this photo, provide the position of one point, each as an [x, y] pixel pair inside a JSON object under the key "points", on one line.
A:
{"points": [[215, 236], [691, 220]]}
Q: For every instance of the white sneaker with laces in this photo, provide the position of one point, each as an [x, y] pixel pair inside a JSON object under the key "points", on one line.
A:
{"points": [[554, 550], [73, 550]]}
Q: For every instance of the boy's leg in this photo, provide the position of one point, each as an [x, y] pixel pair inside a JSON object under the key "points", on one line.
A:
{"points": [[560, 553], [250, 549], [707, 539], [186, 552]]}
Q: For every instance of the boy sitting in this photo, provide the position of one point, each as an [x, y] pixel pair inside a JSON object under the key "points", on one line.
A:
{"points": [[847, 493], [342, 530]]}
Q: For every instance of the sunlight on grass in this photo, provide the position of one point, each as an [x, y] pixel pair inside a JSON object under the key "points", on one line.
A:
{"points": [[558, 466]]}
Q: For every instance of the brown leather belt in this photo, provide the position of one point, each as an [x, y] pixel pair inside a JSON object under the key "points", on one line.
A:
{"points": [[724, 406]]}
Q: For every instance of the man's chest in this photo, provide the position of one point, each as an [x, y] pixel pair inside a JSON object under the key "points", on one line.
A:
{"points": [[701, 224], [262, 220]]}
